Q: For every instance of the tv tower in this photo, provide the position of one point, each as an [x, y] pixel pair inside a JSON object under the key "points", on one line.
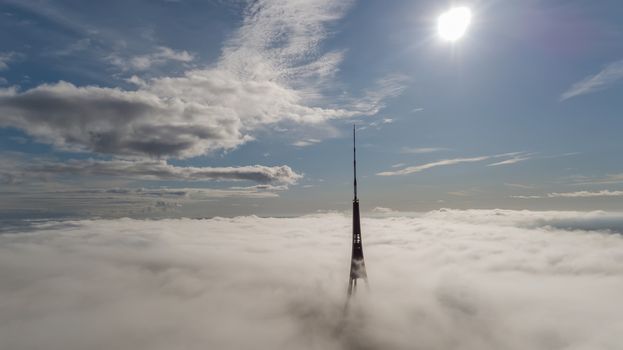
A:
{"points": [[357, 265]]}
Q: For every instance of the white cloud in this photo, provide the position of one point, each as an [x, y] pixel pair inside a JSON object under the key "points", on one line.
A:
{"points": [[607, 77], [443, 280]]}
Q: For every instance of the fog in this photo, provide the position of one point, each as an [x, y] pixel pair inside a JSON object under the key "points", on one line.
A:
{"points": [[475, 279]]}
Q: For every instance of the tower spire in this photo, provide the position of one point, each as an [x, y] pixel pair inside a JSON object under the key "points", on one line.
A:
{"points": [[354, 164], [357, 264]]}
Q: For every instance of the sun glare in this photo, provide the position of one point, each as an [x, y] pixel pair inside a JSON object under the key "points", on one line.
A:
{"points": [[452, 24]]}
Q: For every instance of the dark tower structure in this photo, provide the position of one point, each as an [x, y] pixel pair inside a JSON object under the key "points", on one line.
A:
{"points": [[357, 265]]}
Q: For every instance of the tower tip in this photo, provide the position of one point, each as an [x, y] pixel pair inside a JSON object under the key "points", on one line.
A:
{"points": [[354, 164]]}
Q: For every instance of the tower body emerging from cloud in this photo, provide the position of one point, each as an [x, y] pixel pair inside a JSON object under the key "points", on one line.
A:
{"points": [[357, 264]]}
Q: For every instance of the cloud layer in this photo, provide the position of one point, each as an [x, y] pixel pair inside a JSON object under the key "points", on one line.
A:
{"points": [[442, 280]]}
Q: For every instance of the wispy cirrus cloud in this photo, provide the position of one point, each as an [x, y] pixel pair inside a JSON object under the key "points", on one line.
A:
{"points": [[377, 124], [607, 77], [522, 186], [596, 180], [306, 142], [513, 160], [160, 56], [576, 194], [445, 162], [422, 150], [524, 156]]}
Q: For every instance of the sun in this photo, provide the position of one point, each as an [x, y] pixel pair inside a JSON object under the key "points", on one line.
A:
{"points": [[451, 25]]}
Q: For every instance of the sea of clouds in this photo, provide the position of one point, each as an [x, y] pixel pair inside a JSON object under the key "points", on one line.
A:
{"points": [[476, 279]]}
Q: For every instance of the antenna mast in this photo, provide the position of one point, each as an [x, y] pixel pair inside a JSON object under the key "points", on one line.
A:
{"points": [[354, 163]]}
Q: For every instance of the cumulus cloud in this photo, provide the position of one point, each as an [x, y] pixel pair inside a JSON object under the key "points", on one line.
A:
{"points": [[442, 280], [607, 77], [114, 121], [270, 70]]}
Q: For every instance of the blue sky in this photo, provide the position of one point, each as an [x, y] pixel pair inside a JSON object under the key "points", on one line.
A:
{"points": [[204, 108]]}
